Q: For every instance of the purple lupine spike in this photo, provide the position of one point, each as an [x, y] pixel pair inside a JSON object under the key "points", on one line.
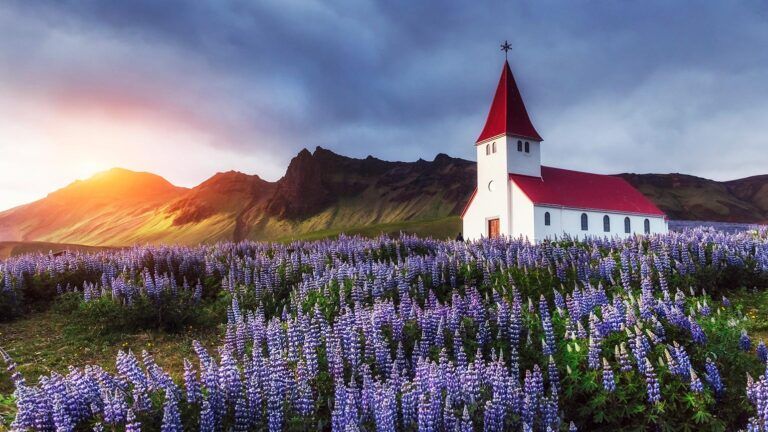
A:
{"points": [[593, 356], [652, 383], [191, 383], [697, 334], [762, 351], [546, 322], [304, 403], [61, 418], [207, 418], [131, 424], [609, 381], [696, 385], [229, 376], [623, 357], [712, 376], [171, 415], [242, 416], [385, 413], [745, 344], [466, 422], [553, 375]]}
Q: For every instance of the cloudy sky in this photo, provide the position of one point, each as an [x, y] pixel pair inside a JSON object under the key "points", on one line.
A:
{"points": [[185, 89]]}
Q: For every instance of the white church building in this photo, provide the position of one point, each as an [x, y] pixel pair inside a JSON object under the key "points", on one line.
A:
{"points": [[518, 197]]}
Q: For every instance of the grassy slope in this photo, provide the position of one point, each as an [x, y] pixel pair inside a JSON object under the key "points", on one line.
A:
{"points": [[12, 248], [441, 228], [438, 228]]}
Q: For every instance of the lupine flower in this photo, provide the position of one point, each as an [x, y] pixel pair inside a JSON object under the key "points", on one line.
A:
{"points": [[652, 384], [171, 416], [744, 342], [762, 351], [207, 420], [393, 302], [712, 376], [696, 385], [609, 382], [191, 383]]}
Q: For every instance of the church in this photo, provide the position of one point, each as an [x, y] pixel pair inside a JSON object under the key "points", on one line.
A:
{"points": [[518, 197]]}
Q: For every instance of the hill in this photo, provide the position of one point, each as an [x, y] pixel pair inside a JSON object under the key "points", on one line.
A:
{"points": [[321, 194], [687, 197]]}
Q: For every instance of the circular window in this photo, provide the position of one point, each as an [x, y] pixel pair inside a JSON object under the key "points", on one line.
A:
{"points": [[491, 186]]}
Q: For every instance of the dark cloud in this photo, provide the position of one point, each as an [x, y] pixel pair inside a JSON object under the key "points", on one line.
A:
{"points": [[612, 86]]}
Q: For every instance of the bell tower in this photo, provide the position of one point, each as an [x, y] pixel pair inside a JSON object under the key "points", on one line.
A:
{"points": [[508, 121], [507, 144]]}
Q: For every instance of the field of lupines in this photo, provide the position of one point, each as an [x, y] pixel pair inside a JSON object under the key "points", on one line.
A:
{"points": [[412, 334]]}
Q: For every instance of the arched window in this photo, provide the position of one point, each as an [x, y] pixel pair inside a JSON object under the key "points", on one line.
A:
{"points": [[546, 218], [487, 149], [627, 226], [527, 147], [584, 222], [493, 145], [606, 223], [647, 226], [519, 146]]}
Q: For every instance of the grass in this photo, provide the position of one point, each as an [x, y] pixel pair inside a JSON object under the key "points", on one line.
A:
{"points": [[45, 342], [754, 305], [442, 228], [13, 248]]}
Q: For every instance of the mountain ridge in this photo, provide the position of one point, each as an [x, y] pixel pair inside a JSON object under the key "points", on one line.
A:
{"points": [[321, 192]]}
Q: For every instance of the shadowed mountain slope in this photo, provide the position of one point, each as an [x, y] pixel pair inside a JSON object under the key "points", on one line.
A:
{"points": [[688, 197]]}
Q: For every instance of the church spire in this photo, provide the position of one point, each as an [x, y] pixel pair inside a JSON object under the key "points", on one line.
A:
{"points": [[508, 115]]}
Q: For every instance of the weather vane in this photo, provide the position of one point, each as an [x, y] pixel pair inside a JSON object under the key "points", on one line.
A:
{"points": [[506, 47]]}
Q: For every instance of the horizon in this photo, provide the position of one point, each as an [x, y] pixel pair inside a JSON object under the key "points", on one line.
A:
{"points": [[92, 86], [98, 173]]}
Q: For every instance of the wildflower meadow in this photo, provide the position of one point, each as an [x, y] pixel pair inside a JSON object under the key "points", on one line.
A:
{"points": [[412, 334]]}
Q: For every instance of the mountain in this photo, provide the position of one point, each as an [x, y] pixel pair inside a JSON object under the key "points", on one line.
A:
{"points": [[321, 194], [326, 191], [108, 208], [687, 197]]}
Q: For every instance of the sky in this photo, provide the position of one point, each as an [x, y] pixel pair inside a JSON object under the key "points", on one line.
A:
{"points": [[187, 89]]}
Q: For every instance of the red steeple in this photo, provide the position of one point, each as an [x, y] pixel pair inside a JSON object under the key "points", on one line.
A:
{"points": [[508, 115]]}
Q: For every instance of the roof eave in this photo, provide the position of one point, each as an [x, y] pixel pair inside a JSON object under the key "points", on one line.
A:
{"points": [[565, 207]]}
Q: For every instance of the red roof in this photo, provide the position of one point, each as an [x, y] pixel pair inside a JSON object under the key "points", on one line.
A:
{"points": [[574, 189], [508, 114]]}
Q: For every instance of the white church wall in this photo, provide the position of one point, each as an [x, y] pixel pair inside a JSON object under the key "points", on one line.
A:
{"points": [[472, 222], [520, 162], [523, 222], [492, 199], [569, 221]]}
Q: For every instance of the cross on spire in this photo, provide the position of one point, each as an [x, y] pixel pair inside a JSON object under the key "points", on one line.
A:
{"points": [[506, 46]]}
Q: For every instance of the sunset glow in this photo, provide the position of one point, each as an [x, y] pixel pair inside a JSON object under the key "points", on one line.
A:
{"points": [[187, 91]]}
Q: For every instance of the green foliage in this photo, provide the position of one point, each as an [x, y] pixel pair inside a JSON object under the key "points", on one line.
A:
{"points": [[168, 312], [7, 410], [11, 305]]}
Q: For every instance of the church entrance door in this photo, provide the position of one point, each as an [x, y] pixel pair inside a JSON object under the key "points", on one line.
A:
{"points": [[493, 228]]}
